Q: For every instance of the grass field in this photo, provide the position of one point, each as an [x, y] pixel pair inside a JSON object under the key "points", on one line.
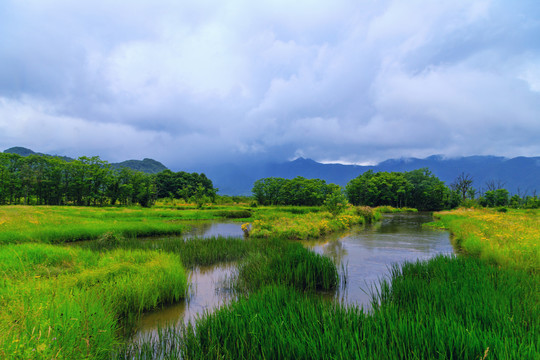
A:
{"points": [[71, 303], [59, 224], [510, 238]]}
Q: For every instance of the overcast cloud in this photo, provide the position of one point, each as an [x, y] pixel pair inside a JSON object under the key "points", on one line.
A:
{"points": [[229, 81]]}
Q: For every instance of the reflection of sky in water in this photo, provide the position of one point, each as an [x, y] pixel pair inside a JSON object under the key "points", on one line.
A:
{"points": [[208, 284], [209, 290], [367, 253], [213, 229]]}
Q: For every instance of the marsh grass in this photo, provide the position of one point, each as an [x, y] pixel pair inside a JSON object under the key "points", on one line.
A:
{"points": [[510, 239], [62, 302], [284, 263], [297, 223], [191, 251], [444, 308]]}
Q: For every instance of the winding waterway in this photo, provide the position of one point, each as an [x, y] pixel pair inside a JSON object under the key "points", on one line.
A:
{"points": [[364, 253]]}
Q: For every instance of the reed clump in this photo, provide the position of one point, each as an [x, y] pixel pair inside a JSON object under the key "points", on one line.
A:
{"points": [[280, 262]]}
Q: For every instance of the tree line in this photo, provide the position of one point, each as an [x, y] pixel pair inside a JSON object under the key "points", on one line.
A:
{"points": [[493, 194], [418, 189], [50, 180]]}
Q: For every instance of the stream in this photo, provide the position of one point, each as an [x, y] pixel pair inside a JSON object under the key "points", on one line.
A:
{"points": [[364, 253]]}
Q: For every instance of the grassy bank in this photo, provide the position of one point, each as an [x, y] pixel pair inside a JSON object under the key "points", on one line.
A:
{"points": [[70, 303], [509, 239], [58, 224]]}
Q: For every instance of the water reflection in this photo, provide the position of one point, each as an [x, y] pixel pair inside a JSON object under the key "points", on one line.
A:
{"points": [[367, 253], [209, 290], [207, 229]]}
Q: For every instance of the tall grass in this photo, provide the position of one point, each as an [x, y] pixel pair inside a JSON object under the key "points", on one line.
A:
{"points": [[71, 303], [192, 251], [504, 238], [285, 263], [440, 309], [301, 224]]}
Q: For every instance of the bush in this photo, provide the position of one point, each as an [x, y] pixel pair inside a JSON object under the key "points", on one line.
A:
{"points": [[335, 202]]}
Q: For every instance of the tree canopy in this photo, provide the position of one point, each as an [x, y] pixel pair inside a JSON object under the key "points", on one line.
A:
{"points": [[50, 180], [297, 191], [418, 189]]}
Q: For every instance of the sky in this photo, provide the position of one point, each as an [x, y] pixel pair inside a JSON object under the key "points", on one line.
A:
{"points": [[193, 83]]}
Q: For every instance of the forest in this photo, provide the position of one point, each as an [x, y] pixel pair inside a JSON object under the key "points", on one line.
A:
{"points": [[90, 181]]}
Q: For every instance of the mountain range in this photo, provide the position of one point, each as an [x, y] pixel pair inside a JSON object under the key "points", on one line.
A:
{"points": [[520, 175]]}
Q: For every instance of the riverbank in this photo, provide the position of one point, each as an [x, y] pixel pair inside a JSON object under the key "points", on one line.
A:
{"points": [[508, 238]]}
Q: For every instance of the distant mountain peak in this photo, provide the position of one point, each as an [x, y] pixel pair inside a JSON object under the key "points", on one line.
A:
{"points": [[19, 150], [300, 160], [146, 165]]}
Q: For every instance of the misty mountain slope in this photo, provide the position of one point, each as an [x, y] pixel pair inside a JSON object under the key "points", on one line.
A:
{"points": [[521, 174]]}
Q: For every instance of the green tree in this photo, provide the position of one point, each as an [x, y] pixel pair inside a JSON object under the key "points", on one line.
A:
{"points": [[335, 202]]}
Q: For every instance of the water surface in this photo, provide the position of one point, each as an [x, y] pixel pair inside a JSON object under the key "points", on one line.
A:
{"points": [[366, 253], [207, 229], [209, 290]]}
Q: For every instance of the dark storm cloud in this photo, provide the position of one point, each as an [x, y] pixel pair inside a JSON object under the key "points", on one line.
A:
{"points": [[238, 80]]}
